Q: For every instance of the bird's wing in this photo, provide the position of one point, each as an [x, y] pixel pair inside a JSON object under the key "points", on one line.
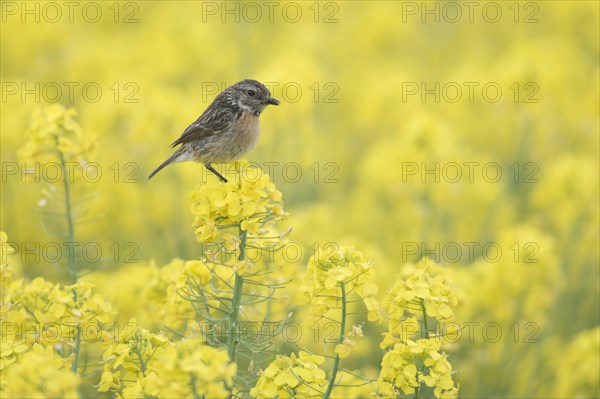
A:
{"points": [[211, 122]]}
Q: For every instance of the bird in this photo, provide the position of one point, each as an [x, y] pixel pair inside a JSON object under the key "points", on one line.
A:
{"points": [[228, 129]]}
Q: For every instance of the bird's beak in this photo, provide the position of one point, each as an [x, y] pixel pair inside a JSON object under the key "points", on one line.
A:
{"points": [[273, 101]]}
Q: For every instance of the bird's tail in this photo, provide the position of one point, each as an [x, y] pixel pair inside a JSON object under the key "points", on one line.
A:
{"points": [[162, 165]]}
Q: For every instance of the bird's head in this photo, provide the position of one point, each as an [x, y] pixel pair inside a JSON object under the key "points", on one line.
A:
{"points": [[252, 96]]}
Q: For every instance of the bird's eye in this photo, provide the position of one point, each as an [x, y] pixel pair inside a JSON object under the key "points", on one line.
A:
{"points": [[251, 93]]}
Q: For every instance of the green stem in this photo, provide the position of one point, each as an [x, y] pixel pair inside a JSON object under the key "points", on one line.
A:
{"points": [[194, 388], [70, 224], [243, 239], [424, 311], [426, 334], [232, 338], [71, 266], [140, 355], [77, 347], [336, 362]]}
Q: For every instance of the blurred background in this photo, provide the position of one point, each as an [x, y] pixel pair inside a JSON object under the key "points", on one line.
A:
{"points": [[464, 131]]}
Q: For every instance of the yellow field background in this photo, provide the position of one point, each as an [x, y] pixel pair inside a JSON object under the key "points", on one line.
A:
{"points": [[365, 147]]}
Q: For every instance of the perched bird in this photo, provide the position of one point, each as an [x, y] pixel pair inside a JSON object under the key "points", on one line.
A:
{"points": [[227, 130]]}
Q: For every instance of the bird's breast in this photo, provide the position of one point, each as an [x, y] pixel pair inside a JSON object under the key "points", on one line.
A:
{"points": [[248, 130], [229, 144]]}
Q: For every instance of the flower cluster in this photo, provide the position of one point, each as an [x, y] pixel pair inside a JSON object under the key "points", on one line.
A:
{"points": [[137, 363], [55, 310], [54, 132], [327, 269], [250, 205], [170, 292], [39, 373], [410, 364], [46, 324], [291, 377], [50, 303], [411, 297]]}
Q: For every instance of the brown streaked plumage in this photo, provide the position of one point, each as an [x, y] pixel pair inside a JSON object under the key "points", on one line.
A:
{"points": [[227, 130]]}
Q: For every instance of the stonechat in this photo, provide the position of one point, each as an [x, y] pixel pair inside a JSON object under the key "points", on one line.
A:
{"points": [[227, 130]]}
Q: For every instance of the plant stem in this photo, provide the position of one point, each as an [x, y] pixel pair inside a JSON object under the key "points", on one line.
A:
{"points": [[76, 350], [424, 311], [336, 362], [71, 265], [70, 224], [232, 338], [426, 333], [243, 239], [140, 355]]}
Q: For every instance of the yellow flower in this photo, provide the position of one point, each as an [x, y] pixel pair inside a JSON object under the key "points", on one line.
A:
{"points": [[336, 275], [53, 134], [196, 270], [406, 302], [139, 363], [109, 380], [327, 269], [291, 377], [12, 347], [399, 370], [58, 308], [252, 205], [409, 297], [40, 372], [344, 349], [356, 331]]}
